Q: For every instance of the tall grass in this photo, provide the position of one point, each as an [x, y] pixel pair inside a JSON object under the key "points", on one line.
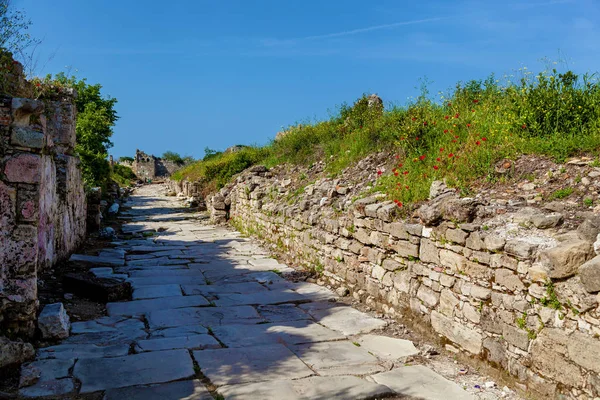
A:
{"points": [[458, 138]]}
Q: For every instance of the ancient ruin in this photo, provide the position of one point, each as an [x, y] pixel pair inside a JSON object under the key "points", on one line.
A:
{"points": [[148, 167]]}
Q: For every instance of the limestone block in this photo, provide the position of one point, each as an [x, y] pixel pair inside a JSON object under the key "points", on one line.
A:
{"points": [[471, 313], [371, 210], [391, 265], [477, 270], [456, 332], [589, 229], [515, 336], [545, 221], [564, 260], [589, 273], [455, 262], [519, 249], [503, 261], [474, 241], [23, 168], [457, 236], [428, 296], [26, 137], [407, 249], [494, 243], [398, 230], [448, 302], [573, 293], [547, 355], [428, 252], [387, 212], [508, 279], [54, 322], [402, 281]]}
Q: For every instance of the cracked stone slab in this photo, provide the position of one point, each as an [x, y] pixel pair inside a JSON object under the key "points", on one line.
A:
{"points": [[387, 348], [187, 330], [107, 338], [212, 290], [270, 297], [138, 369], [106, 324], [293, 332], [192, 390], [156, 291], [251, 364], [157, 272], [264, 262], [347, 320], [422, 383], [98, 260], [313, 388], [337, 358], [53, 379], [163, 280], [282, 313], [67, 351], [156, 262], [196, 342], [208, 317], [137, 307]]}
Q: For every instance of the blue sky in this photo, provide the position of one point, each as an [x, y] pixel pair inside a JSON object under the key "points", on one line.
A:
{"points": [[193, 73]]}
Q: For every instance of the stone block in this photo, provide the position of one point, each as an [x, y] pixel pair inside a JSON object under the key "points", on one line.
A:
{"points": [[407, 249], [478, 271], [54, 322], [391, 265], [28, 205], [456, 332], [387, 212], [503, 261], [589, 273], [564, 260], [23, 168], [508, 279], [398, 230], [494, 243], [474, 241], [519, 249], [495, 352], [26, 137], [471, 313], [428, 296], [448, 302], [515, 336], [457, 236], [455, 262], [547, 355], [428, 252], [371, 210], [14, 352]]}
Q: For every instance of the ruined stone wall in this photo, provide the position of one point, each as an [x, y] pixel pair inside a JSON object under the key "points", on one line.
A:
{"points": [[147, 166], [500, 283], [42, 202]]}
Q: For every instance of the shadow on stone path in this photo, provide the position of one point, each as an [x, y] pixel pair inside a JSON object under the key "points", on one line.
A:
{"points": [[211, 317]]}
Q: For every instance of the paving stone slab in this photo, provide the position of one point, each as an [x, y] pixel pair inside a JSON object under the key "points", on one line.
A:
{"points": [[158, 272], [137, 369], [314, 292], [97, 260], [190, 390], [252, 364], [213, 290], [67, 351], [156, 261], [337, 358], [269, 297], [187, 330], [422, 383], [106, 324], [313, 388], [160, 280], [347, 320], [53, 379], [156, 291], [137, 307], [101, 271], [208, 317], [108, 338], [293, 332], [196, 342], [387, 348], [149, 249], [282, 313]]}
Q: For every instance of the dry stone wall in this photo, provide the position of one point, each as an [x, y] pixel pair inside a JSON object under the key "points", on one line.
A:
{"points": [[500, 283], [42, 201]]}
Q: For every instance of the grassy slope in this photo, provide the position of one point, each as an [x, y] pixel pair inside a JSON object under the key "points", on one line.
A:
{"points": [[459, 138]]}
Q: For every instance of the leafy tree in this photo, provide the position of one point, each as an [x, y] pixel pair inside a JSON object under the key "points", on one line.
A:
{"points": [[172, 156], [13, 29], [96, 117], [210, 153], [126, 159]]}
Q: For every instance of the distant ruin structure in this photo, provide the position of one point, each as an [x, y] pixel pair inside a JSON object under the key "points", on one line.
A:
{"points": [[147, 166]]}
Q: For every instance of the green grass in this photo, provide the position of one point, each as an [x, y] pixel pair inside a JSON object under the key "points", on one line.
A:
{"points": [[457, 137], [123, 175], [562, 193]]}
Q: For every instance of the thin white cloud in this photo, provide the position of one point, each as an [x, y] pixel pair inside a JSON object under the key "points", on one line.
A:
{"points": [[274, 42]]}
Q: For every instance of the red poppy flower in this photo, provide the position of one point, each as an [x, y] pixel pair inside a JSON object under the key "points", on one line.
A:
{"points": [[445, 130], [475, 101], [397, 156], [406, 186], [449, 104], [478, 143], [438, 159], [446, 117], [442, 150], [453, 140], [405, 172], [468, 125], [425, 123], [422, 157], [455, 137], [399, 204], [450, 155], [523, 126], [400, 165], [417, 138], [436, 167], [456, 115], [414, 118], [395, 173], [484, 139], [472, 110], [379, 172]]}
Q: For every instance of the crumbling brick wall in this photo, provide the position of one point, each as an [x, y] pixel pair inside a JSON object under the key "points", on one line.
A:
{"points": [[42, 201]]}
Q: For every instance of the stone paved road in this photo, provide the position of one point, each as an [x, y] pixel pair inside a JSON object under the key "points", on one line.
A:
{"points": [[208, 312]]}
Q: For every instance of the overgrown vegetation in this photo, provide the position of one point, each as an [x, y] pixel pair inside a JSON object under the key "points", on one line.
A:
{"points": [[176, 158], [123, 175], [458, 137]]}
